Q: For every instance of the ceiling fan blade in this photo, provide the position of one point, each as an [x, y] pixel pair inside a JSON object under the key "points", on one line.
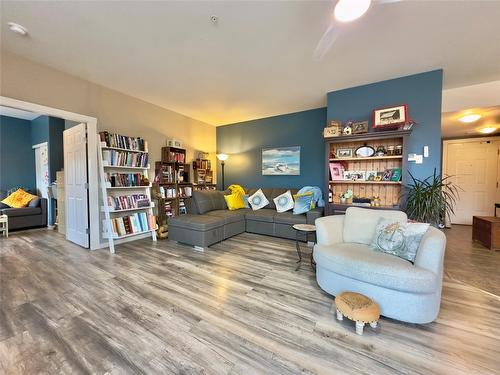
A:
{"points": [[388, 1], [325, 43]]}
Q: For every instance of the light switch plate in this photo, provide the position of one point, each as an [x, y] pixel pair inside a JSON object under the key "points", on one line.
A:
{"points": [[426, 151], [419, 159]]}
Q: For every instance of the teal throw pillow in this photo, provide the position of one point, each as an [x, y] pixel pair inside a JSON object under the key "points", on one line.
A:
{"points": [[303, 203]]}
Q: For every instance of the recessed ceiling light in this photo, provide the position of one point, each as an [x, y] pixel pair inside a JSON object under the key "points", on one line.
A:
{"points": [[18, 29], [487, 130], [470, 118], [349, 10]]}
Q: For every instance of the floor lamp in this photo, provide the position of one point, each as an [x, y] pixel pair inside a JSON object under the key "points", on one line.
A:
{"points": [[222, 158]]}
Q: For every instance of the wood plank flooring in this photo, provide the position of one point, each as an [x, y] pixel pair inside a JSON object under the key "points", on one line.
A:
{"points": [[238, 308]]}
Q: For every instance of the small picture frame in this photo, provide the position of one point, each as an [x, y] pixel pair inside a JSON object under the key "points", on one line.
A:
{"points": [[354, 175], [344, 153], [390, 117], [360, 127], [371, 175], [387, 175], [333, 129], [337, 171]]}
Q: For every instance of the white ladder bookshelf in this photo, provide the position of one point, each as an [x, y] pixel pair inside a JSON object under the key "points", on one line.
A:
{"points": [[106, 189]]}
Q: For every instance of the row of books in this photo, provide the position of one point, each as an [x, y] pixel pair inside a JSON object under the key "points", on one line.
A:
{"points": [[202, 164], [125, 158], [203, 176], [178, 157], [123, 141], [125, 202], [165, 174], [137, 223], [169, 192], [182, 207], [185, 191], [125, 179], [169, 209]]}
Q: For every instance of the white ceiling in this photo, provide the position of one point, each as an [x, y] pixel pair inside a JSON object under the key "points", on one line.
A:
{"points": [[257, 60], [18, 113], [451, 127]]}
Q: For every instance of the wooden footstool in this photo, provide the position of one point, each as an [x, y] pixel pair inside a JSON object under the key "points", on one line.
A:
{"points": [[359, 308]]}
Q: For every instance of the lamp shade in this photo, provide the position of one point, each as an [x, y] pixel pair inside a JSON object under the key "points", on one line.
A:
{"points": [[222, 157]]}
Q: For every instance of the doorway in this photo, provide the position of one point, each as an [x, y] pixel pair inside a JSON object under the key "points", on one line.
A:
{"points": [[92, 229], [474, 167], [42, 169]]}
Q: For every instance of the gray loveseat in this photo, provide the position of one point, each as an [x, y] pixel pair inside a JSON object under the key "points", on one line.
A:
{"points": [[35, 215], [209, 221]]}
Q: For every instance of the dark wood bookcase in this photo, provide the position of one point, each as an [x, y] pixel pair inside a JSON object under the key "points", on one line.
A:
{"points": [[389, 193]]}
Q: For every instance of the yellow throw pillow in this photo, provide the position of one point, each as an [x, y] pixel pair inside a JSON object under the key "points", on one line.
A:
{"points": [[236, 189], [235, 201], [19, 199]]}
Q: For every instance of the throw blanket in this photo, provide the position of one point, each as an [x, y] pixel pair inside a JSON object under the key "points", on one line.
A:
{"points": [[317, 194], [236, 189]]}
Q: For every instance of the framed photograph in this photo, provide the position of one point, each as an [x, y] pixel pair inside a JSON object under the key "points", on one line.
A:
{"points": [[344, 153], [354, 175], [371, 175], [360, 127], [390, 118], [333, 129], [281, 161], [337, 171], [387, 175]]}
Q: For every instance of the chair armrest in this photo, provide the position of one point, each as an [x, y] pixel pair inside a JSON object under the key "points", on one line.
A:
{"points": [[313, 214], [430, 253], [329, 229]]}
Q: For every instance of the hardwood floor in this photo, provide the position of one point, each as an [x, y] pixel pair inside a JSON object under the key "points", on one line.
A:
{"points": [[238, 308]]}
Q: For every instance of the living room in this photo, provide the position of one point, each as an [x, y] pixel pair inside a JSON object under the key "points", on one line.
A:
{"points": [[252, 187]]}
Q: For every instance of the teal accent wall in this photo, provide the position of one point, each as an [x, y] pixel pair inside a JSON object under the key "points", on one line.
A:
{"points": [[50, 130], [17, 159], [244, 142], [421, 92]]}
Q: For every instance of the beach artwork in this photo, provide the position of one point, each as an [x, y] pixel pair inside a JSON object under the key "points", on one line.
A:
{"points": [[282, 161]]}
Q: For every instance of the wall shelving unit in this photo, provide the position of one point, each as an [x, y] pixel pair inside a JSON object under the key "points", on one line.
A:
{"points": [[110, 213], [389, 192]]}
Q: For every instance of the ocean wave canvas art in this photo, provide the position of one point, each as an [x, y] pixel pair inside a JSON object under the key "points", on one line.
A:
{"points": [[281, 161]]}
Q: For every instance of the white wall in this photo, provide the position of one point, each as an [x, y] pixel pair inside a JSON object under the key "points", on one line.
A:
{"points": [[26, 80]]}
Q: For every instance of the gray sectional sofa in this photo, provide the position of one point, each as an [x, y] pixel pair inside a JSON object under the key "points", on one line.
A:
{"points": [[209, 221]]}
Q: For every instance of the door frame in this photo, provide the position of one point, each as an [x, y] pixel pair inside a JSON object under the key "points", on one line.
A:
{"points": [[34, 147], [447, 142], [91, 155]]}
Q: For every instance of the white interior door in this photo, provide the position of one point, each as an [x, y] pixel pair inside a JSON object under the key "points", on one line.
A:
{"points": [[76, 185], [474, 167], [42, 169]]}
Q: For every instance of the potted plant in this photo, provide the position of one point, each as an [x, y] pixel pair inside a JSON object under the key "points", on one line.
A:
{"points": [[345, 196], [431, 200]]}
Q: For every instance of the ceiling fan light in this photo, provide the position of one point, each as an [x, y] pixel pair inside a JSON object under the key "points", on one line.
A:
{"points": [[349, 10]]}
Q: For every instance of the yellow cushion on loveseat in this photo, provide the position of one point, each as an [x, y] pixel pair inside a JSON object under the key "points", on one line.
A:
{"points": [[19, 199], [235, 201]]}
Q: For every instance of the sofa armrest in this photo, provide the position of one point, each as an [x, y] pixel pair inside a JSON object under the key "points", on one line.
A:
{"points": [[329, 229], [430, 253], [313, 214], [43, 206]]}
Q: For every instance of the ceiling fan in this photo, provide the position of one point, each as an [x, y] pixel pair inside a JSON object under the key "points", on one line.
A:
{"points": [[345, 11]]}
